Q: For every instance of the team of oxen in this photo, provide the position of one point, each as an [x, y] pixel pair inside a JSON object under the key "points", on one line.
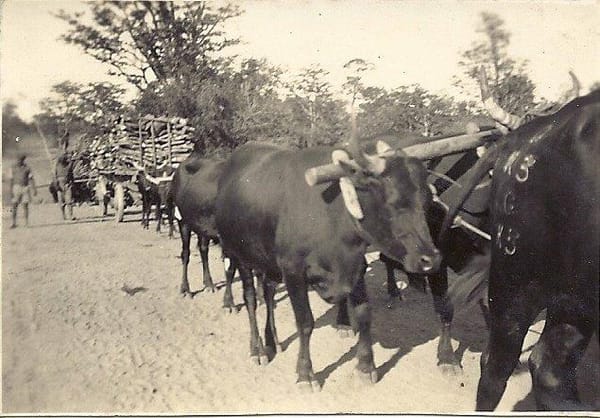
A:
{"points": [[306, 218]]}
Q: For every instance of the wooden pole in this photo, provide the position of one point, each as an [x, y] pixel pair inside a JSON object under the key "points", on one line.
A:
{"points": [[423, 151], [153, 144], [169, 139], [140, 142]]}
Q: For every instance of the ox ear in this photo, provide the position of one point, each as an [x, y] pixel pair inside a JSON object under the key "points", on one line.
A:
{"points": [[350, 198]]}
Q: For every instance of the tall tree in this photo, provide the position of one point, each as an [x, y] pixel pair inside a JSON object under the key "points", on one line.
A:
{"points": [[144, 41], [317, 117], [354, 86], [89, 108], [509, 82], [409, 109]]}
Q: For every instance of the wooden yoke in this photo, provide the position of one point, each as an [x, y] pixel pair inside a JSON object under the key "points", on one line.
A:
{"points": [[424, 151]]}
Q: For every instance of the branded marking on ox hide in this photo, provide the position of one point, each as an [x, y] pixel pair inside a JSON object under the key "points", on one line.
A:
{"points": [[506, 239], [522, 173]]}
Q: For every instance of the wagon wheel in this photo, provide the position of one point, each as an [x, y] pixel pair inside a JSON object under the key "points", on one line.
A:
{"points": [[119, 201]]}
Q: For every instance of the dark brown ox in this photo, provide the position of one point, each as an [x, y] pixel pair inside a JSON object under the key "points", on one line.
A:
{"points": [[545, 247], [156, 191], [193, 192], [270, 220]]}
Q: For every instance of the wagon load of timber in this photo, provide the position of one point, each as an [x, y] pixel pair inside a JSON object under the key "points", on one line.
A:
{"points": [[83, 165], [149, 143]]}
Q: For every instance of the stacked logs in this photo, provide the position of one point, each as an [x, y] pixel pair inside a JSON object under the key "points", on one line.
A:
{"points": [[151, 143], [83, 165]]}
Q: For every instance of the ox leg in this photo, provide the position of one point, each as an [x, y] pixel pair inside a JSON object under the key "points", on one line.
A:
{"points": [[445, 310], [260, 285], [509, 324], [105, 202], [170, 216], [257, 350], [271, 339], [358, 304], [230, 267], [305, 323], [158, 216], [203, 244], [344, 328], [392, 288], [186, 235], [554, 361]]}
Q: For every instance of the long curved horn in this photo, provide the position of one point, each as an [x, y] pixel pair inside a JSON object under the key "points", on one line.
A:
{"points": [[496, 112], [373, 163], [573, 92]]}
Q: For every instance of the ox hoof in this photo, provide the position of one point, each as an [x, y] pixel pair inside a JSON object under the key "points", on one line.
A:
{"points": [[368, 378], [309, 386], [229, 309], [345, 332], [261, 360], [211, 288], [264, 360], [449, 369]]}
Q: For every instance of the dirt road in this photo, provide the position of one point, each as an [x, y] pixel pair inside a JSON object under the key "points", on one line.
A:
{"points": [[75, 341]]}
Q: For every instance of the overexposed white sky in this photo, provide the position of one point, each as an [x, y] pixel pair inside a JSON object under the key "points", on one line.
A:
{"points": [[408, 41]]}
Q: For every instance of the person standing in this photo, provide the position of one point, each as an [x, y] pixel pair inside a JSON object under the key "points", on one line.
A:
{"points": [[21, 182], [63, 181]]}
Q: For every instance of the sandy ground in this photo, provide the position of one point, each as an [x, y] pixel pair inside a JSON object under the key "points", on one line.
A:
{"points": [[74, 341]]}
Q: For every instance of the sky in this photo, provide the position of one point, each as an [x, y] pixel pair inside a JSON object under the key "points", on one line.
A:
{"points": [[407, 41]]}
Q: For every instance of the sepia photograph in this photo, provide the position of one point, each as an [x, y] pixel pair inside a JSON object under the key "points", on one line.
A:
{"points": [[275, 207]]}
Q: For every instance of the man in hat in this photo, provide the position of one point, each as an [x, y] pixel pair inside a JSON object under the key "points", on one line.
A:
{"points": [[21, 182]]}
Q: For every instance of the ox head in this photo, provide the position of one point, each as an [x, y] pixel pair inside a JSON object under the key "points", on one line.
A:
{"points": [[388, 196]]}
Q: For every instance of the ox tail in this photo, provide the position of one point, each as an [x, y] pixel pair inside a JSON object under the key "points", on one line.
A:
{"points": [[471, 283], [480, 169]]}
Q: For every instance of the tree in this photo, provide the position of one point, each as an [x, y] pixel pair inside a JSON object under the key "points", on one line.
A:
{"points": [[12, 127], [91, 108], [153, 40], [509, 83], [317, 118], [409, 109], [353, 86]]}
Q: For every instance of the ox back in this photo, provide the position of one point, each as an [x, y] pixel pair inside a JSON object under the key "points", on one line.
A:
{"points": [[545, 247], [268, 214]]}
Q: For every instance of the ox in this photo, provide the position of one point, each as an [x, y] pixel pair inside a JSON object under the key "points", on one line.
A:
{"points": [[270, 220], [193, 191], [154, 192], [465, 253], [545, 246]]}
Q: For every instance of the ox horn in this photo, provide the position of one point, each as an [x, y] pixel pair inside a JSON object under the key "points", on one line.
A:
{"points": [[573, 92], [372, 163], [496, 112]]}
